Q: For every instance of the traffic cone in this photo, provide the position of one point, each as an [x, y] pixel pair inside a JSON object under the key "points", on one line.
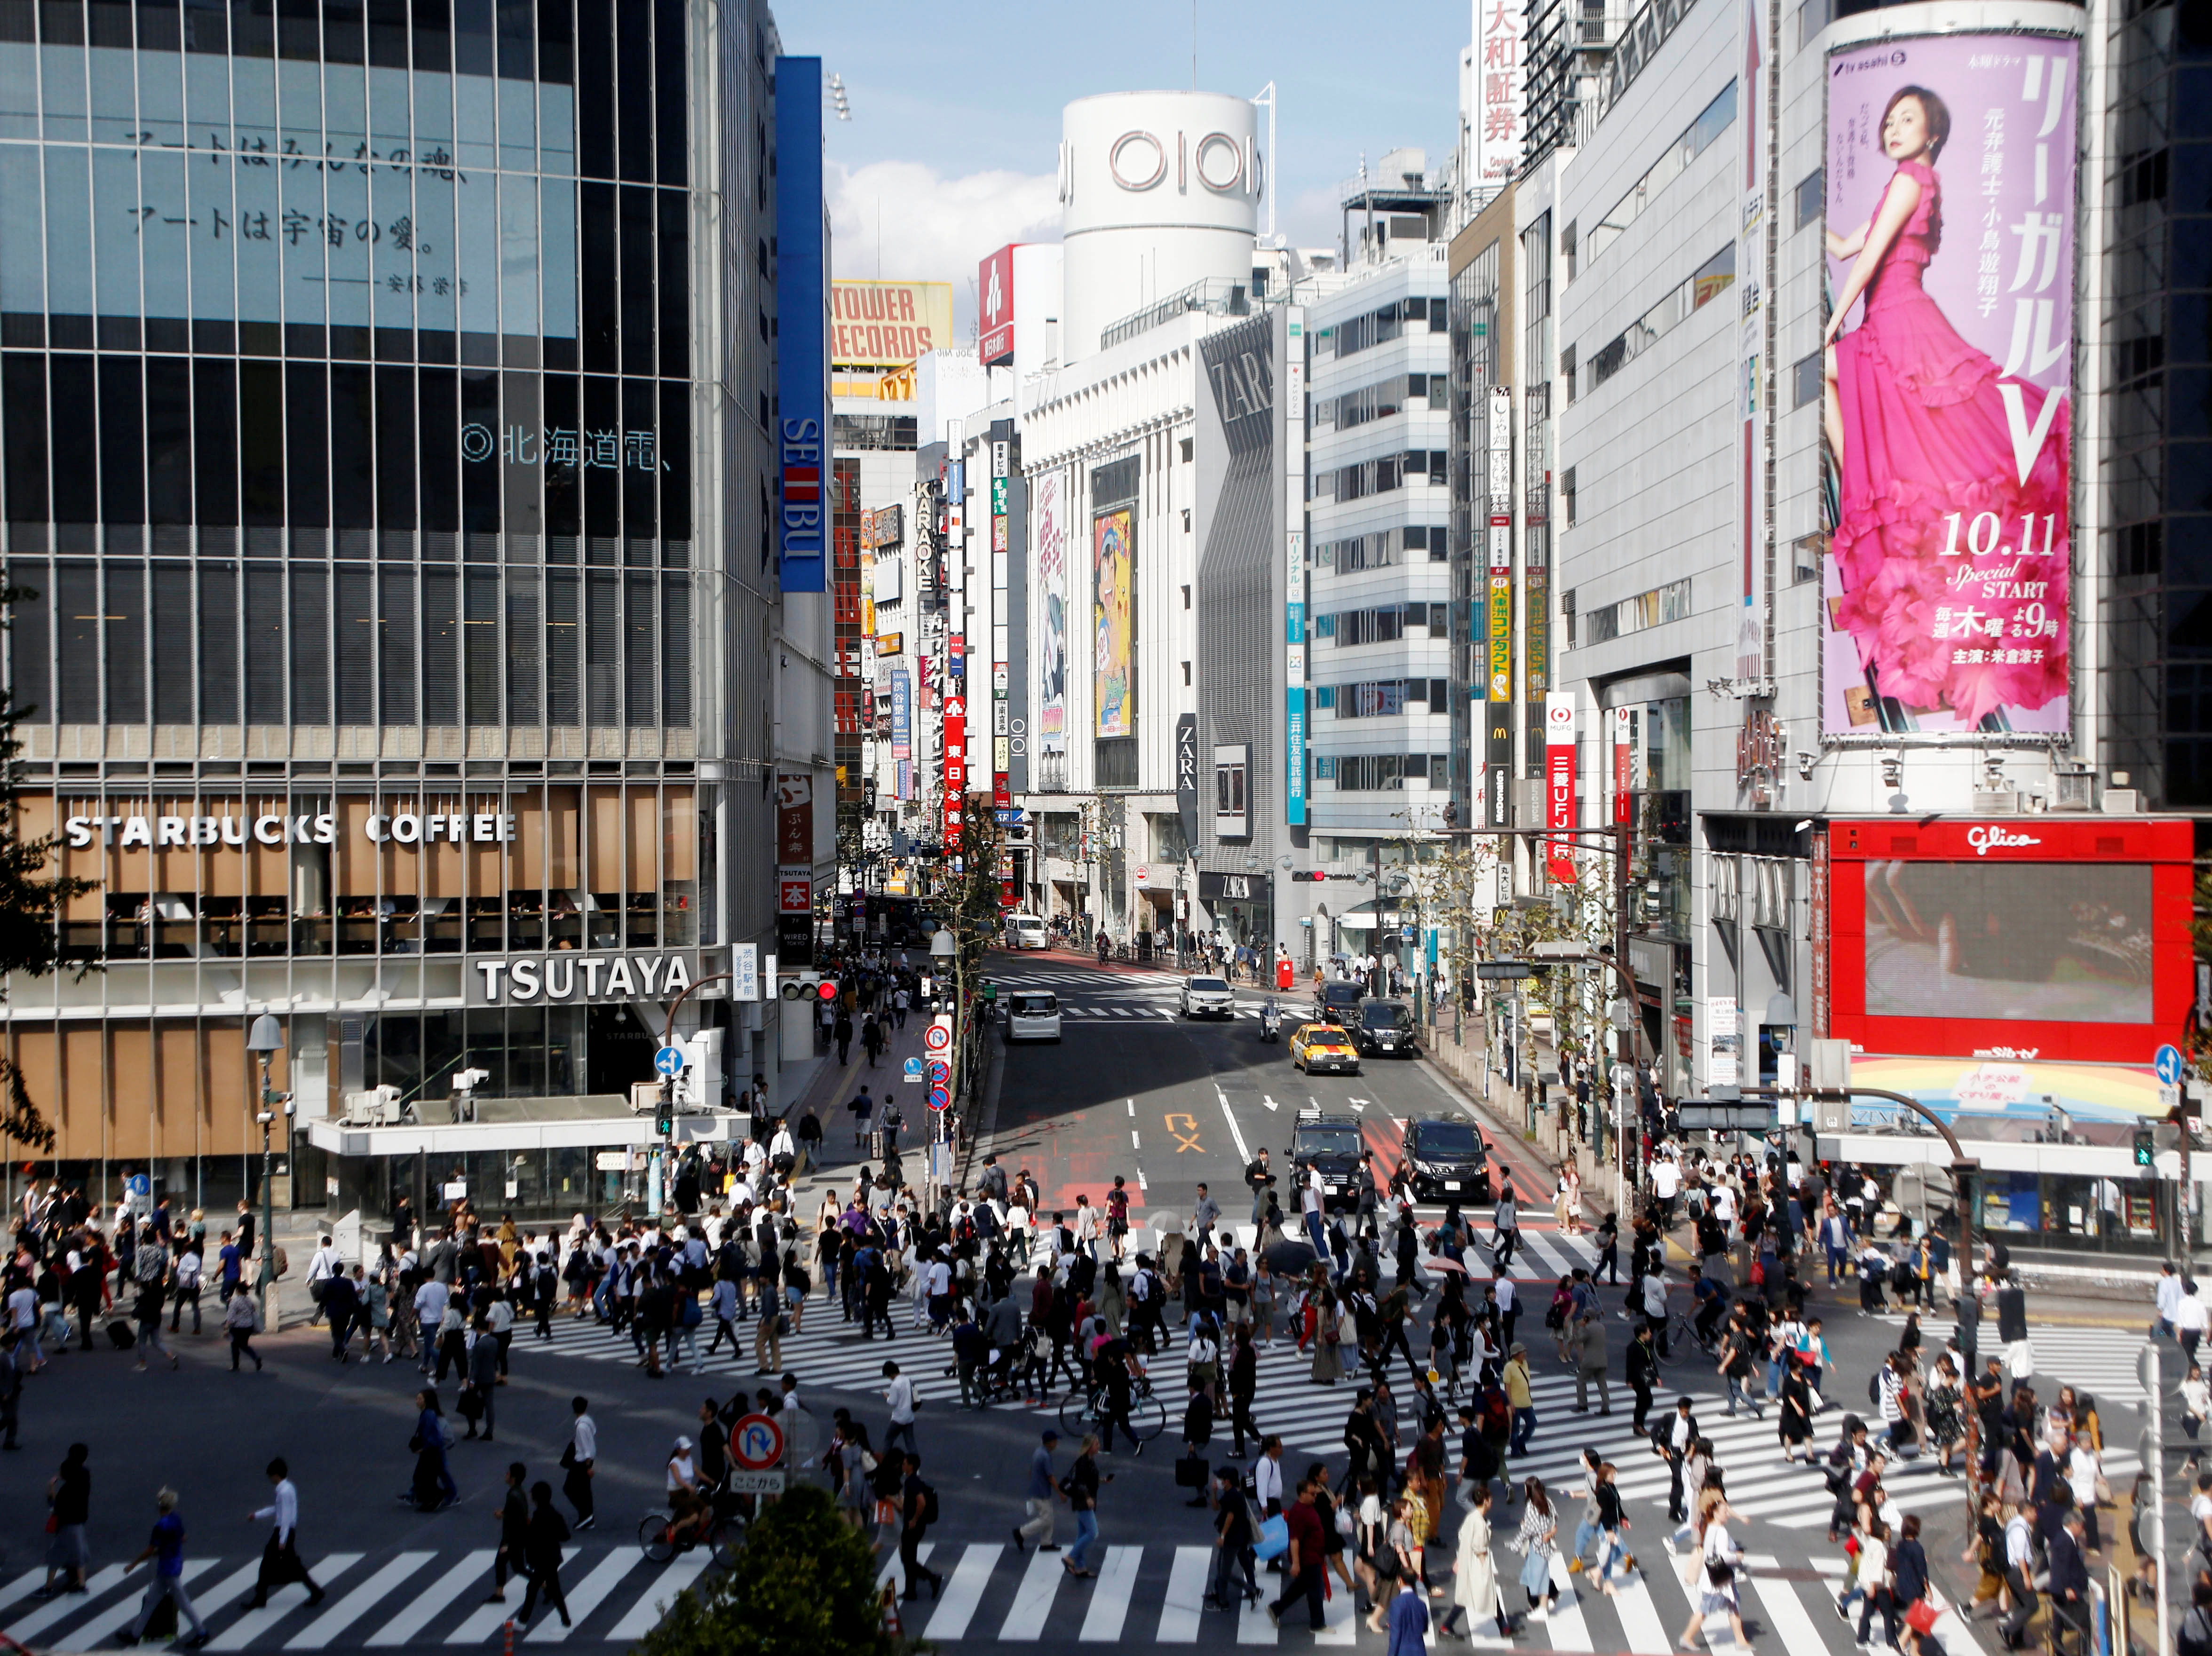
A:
{"points": [[890, 1612]]}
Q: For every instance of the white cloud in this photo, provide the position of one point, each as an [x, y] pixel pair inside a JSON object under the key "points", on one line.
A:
{"points": [[935, 229]]}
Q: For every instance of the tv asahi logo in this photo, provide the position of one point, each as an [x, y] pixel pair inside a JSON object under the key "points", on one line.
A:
{"points": [[1986, 840]]}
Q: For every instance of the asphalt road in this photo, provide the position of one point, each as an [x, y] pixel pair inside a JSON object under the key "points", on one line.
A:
{"points": [[399, 1580]]}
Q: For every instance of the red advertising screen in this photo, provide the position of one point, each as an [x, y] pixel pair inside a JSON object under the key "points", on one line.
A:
{"points": [[2065, 937]]}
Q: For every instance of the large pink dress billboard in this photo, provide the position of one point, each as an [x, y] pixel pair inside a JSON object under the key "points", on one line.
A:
{"points": [[1947, 411]]}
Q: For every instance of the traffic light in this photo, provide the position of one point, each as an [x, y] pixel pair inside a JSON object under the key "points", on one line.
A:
{"points": [[827, 989], [2146, 1147], [664, 1111]]}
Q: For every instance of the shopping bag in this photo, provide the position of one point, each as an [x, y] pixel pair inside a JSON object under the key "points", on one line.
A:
{"points": [[1190, 1472], [1274, 1539], [1920, 1616]]}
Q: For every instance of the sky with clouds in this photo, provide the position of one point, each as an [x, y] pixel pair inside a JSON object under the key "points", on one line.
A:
{"points": [[955, 133]]}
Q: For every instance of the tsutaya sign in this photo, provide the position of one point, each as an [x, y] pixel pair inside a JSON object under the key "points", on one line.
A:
{"points": [[405, 827], [565, 976]]}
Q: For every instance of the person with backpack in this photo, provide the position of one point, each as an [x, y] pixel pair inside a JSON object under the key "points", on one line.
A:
{"points": [[918, 1511]]}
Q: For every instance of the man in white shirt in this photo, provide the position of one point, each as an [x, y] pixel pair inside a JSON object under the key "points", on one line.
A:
{"points": [[2190, 1318], [577, 1459], [2169, 1296], [1666, 1186], [280, 1558], [900, 1395], [430, 1311], [326, 1264], [1310, 1210], [1268, 1478]]}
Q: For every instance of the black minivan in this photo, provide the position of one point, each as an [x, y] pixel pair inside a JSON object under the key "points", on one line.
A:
{"points": [[1385, 1027], [1337, 1001], [1445, 1160]]}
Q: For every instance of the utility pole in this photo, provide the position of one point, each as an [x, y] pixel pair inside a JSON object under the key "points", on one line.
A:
{"points": [[265, 1040]]}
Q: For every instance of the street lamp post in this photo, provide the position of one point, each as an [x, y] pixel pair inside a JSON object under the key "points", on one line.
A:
{"points": [[264, 1042]]}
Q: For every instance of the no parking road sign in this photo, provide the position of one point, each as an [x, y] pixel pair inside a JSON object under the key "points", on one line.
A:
{"points": [[940, 1098], [757, 1443]]}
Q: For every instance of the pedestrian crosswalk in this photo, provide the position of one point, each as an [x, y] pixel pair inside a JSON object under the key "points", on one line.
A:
{"points": [[1144, 1592], [2098, 1361]]}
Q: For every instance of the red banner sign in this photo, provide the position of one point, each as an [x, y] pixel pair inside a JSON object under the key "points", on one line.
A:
{"points": [[1560, 781]]}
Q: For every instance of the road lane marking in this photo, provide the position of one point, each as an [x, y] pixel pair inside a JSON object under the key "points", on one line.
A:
{"points": [[282, 1602], [1132, 1103], [963, 1590], [1269, 1102], [68, 1604], [438, 1591], [1236, 1133], [1032, 1606], [1182, 1606], [483, 1621], [1109, 1599], [359, 1602], [589, 1594], [1185, 1136], [85, 1635], [644, 1615], [1134, 1144]]}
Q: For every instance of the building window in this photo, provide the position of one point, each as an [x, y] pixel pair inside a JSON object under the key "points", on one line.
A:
{"points": [[1806, 375], [1712, 278], [1811, 192], [1567, 490]]}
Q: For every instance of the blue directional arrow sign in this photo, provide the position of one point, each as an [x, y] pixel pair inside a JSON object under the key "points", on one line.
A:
{"points": [[668, 1062], [2169, 1065], [913, 1071]]}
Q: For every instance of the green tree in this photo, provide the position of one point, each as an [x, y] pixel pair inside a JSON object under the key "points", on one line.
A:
{"points": [[30, 909], [804, 1585]]}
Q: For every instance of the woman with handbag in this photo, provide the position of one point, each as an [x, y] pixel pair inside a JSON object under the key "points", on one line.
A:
{"points": [[434, 1486], [1943, 1408], [1712, 1578], [1908, 1569], [1475, 1596], [1376, 1565], [1542, 1574]]}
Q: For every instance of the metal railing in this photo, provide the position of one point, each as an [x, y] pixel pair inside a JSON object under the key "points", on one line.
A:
{"points": [[1217, 296]]}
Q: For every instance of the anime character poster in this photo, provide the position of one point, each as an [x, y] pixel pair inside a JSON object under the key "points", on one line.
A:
{"points": [[1052, 582], [1113, 614], [1947, 411]]}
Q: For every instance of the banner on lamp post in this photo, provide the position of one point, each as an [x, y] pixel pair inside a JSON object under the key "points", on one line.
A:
{"points": [[1559, 780]]}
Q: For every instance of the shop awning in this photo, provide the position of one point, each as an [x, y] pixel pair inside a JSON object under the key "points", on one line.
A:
{"points": [[539, 1131]]}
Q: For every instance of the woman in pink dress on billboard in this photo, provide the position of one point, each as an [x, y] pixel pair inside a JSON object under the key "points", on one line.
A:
{"points": [[1935, 513]]}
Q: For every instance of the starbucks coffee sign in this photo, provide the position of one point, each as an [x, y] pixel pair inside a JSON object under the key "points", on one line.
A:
{"points": [[405, 827]]}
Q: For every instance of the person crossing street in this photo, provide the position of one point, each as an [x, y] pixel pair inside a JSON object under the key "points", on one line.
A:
{"points": [[280, 1557]]}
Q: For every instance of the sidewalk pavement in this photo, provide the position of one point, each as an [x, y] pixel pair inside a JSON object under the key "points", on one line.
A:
{"points": [[833, 1085]]}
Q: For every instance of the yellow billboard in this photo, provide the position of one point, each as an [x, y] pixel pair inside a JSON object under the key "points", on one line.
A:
{"points": [[887, 324]]}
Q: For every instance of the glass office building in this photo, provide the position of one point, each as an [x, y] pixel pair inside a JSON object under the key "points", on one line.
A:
{"points": [[385, 483]]}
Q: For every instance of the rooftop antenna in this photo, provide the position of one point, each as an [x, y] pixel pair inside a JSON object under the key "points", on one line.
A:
{"points": [[837, 97]]}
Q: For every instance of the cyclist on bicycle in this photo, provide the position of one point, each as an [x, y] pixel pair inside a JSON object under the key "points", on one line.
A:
{"points": [[1712, 1305], [1105, 945], [1115, 1374], [689, 1508]]}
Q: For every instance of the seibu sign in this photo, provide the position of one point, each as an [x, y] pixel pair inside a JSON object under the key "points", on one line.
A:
{"points": [[564, 976], [404, 828]]}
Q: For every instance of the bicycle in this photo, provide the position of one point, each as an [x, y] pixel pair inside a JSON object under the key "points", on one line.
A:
{"points": [[1682, 1337], [724, 1536], [1084, 1415]]}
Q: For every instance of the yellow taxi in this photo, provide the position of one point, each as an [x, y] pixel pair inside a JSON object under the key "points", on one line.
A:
{"points": [[1324, 1048]]}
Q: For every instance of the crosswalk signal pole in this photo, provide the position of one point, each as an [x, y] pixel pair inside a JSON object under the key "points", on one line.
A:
{"points": [[2151, 1451]]}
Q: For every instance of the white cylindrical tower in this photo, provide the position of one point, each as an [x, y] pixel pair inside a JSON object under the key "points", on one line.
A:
{"points": [[1158, 190]]}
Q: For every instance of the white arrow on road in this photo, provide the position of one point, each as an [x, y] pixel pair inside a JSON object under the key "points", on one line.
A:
{"points": [[1360, 1103], [1269, 1102]]}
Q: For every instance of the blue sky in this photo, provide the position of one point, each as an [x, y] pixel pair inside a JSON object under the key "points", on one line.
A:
{"points": [[956, 109]]}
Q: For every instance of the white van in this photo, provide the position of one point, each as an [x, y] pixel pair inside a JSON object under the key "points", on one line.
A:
{"points": [[1026, 932]]}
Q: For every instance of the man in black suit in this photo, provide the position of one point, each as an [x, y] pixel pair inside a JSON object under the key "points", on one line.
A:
{"points": [[2070, 1587]]}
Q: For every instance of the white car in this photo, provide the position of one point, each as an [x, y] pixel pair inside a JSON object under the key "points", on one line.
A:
{"points": [[1032, 1014], [1027, 932], [1208, 997]]}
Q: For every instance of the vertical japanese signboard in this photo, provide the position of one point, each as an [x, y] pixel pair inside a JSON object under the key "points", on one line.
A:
{"points": [[1560, 781], [1001, 738], [1498, 630], [802, 270], [1499, 88], [1751, 325], [1291, 449], [1951, 200]]}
